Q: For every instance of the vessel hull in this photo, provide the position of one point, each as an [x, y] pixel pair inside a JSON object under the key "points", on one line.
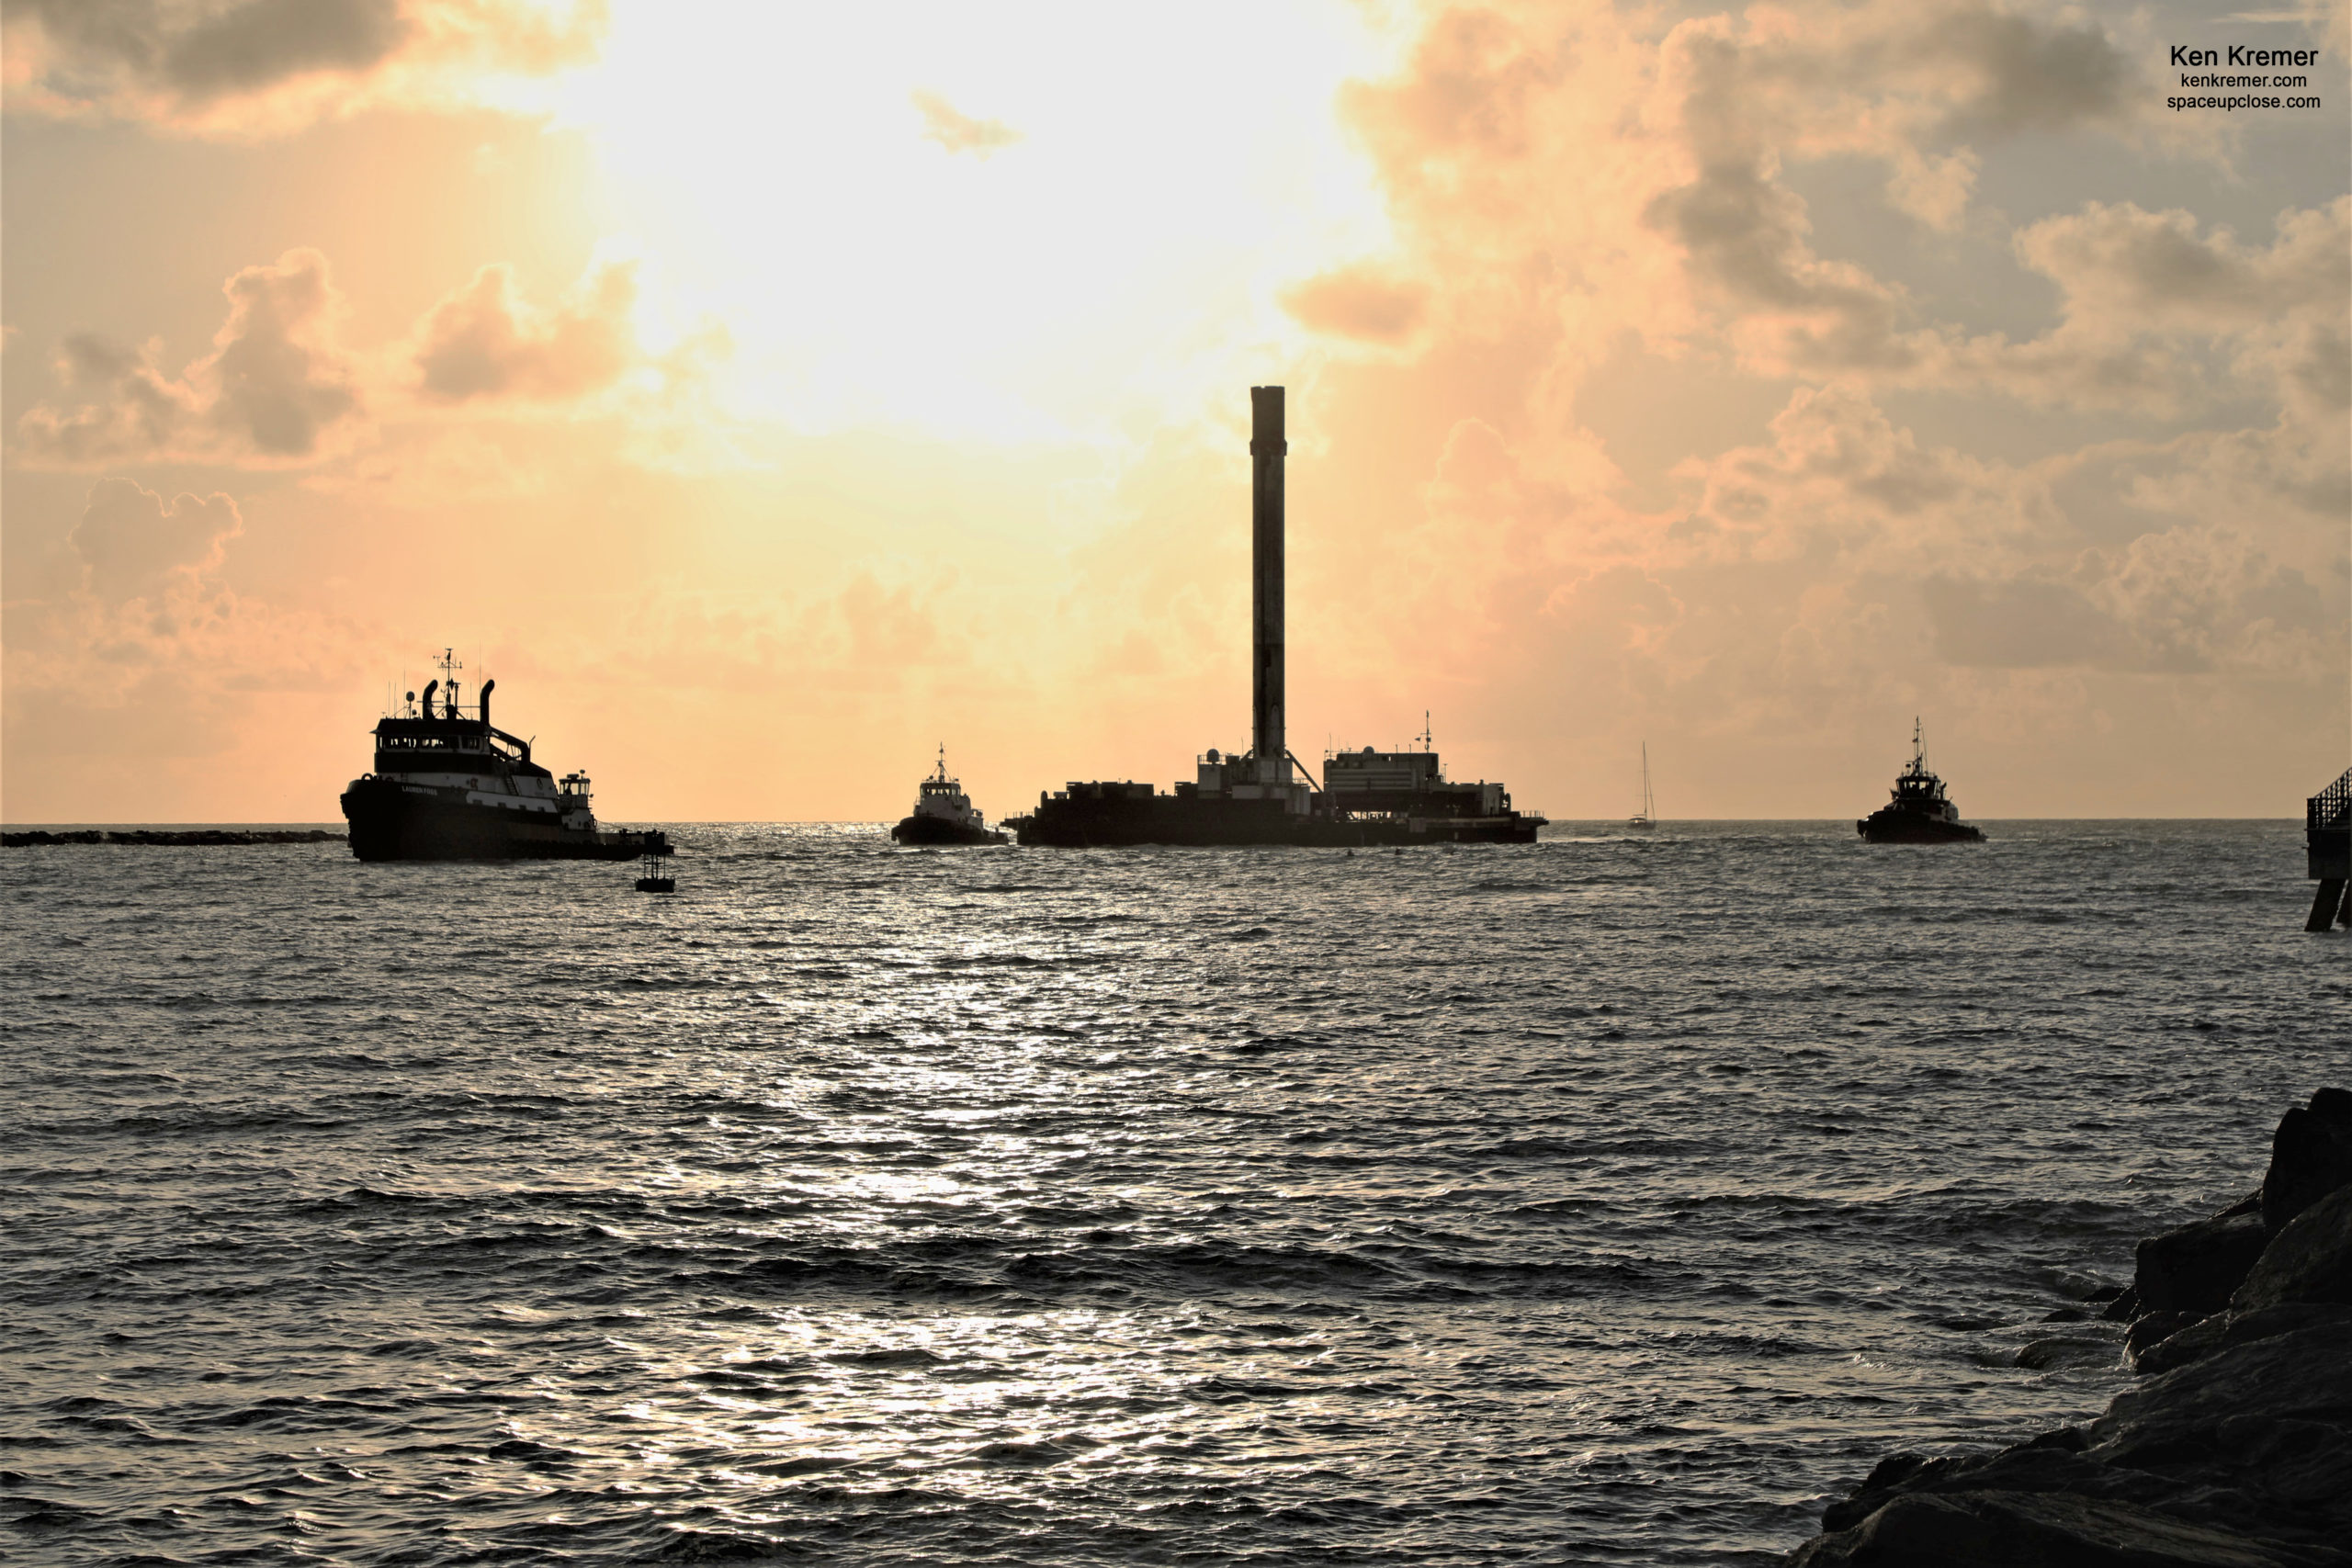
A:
{"points": [[391, 821], [1893, 828], [924, 831], [1178, 821]]}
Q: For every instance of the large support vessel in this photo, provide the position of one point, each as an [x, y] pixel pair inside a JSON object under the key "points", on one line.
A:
{"points": [[448, 786], [1265, 795]]}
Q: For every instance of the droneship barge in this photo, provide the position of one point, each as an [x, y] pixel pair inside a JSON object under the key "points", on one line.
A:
{"points": [[448, 786], [1265, 795]]}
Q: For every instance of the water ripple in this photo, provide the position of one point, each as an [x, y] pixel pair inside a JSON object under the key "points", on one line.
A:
{"points": [[1613, 1199]]}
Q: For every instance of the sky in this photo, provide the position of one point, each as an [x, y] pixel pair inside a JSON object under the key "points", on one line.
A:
{"points": [[769, 394]]}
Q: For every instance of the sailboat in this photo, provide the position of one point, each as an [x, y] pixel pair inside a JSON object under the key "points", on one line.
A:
{"points": [[1646, 817]]}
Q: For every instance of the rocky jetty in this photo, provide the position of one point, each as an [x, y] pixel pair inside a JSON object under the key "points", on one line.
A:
{"points": [[192, 837], [2235, 1448]]}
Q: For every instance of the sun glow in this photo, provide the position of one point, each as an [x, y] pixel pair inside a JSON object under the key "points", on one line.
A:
{"points": [[927, 216]]}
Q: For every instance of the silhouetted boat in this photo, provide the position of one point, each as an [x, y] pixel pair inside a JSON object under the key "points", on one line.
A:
{"points": [[943, 814], [1917, 813], [450, 787], [1646, 817]]}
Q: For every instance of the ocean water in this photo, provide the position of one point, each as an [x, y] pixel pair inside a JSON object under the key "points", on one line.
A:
{"points": [[1613, 1199]]}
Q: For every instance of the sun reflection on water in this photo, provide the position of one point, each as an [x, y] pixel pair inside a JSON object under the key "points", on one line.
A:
{"points": [[1078, 1207]]}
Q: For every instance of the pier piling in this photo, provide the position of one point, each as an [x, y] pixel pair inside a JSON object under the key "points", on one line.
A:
{"points": [[2327, 837]]}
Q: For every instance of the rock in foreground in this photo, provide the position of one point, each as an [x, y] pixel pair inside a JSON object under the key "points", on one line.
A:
{"points": [[2235, 1453]]}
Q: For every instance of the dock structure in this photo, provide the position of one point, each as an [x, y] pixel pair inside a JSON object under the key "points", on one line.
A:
{"points": [[2327, 835]]}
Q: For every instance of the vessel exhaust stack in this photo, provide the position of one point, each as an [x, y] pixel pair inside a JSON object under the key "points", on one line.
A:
{"points": [[430, 687], [484, 699], [1267, 449]]}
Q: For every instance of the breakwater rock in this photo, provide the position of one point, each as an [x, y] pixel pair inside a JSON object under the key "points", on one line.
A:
{"points": [[2234, 1452], [192, 837]]}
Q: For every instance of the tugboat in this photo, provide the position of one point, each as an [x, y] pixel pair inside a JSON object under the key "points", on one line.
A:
{"points": [[943, 814], [448, 786], [1917, 813]]}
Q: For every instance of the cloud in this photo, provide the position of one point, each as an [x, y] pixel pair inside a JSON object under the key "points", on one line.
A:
{"points": [[2193, 601], [957, 132], [157, 662], [814, 649], [247, 66], [1358, 303], [190, 672], [1744, 237], [133, 544], [281, 389], [276, 388], [2017, 624], [1579, 191], [481, 341], [2144, 295], [1931, 187], [1565, 175], [2125, 268], [1900, 84], [2016, 73], [1605, 218], [1843, 487], [1603, 169], [252, 46], [1472, 88]]}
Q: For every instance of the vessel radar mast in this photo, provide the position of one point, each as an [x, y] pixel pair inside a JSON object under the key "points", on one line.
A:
{"points": [[449, 665]]}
